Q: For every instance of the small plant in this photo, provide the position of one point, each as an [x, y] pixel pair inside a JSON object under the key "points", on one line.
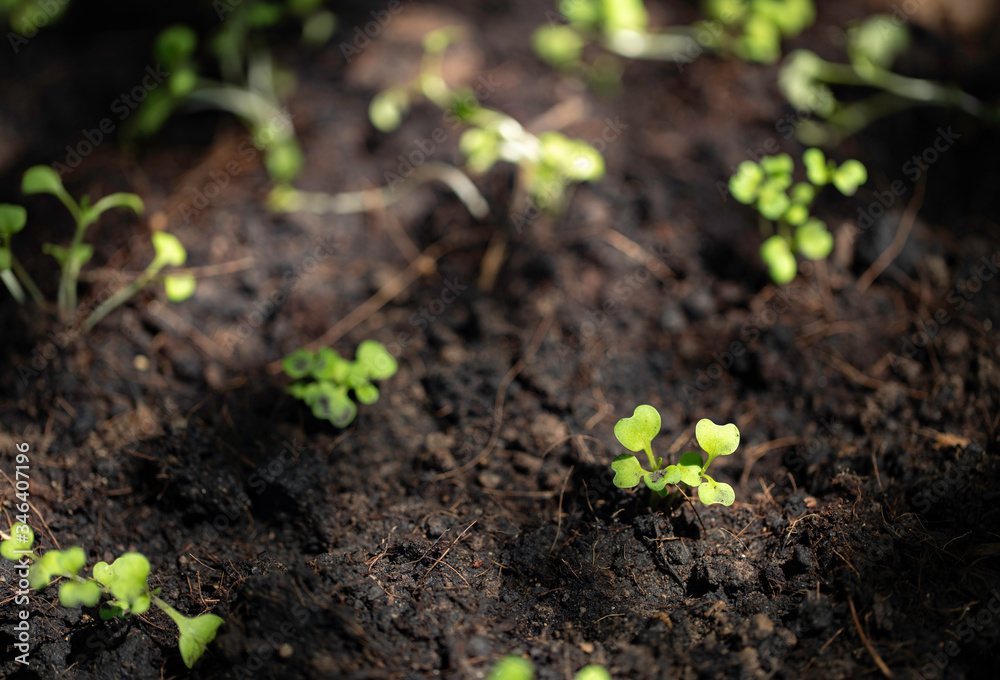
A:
{"points": [[41, 179], [807, 82], [121, 584], [784, 207], [753, 30], [12, 220], [549, 163], [637, 433], [325, 378], [518, 668]]}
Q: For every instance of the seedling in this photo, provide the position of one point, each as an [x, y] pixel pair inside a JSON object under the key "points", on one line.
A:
{"points": [[753, 30], [325, 378], [121, 585], [873, 45], [549, 163], [637, 433], [252, 86], [784, 207], [42, 179], [518, 668], [12, 220]]}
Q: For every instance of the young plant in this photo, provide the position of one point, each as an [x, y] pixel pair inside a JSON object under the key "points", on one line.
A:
{"points": [[807, 82], [549, 163], [324, 378], [637, 433], [121, 585], [784, 206], [518, 668], [12, 220], [753, 30]]}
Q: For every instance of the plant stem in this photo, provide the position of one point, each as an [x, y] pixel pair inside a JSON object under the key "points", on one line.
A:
{"points": [[122, 295], [7, 276], [33, 290], [676, 44], [653, 466]]}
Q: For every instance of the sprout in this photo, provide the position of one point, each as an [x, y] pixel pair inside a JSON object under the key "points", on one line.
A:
{"points": [[636, 434]]}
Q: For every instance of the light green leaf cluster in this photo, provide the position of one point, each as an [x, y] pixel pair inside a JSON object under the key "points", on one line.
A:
{"points": [[754, 30], [125, 579], [513, 667], [22, 537], [637, 432], [768, 185], [324, 379]]}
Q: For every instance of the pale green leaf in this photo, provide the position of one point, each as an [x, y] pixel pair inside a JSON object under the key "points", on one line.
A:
{"points": [[637, 432]]}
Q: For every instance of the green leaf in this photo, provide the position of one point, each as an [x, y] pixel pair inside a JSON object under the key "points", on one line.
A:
{"points": [[283, 160], [777, 165], [690, 466], [376, 361], [779, 259], [182, 81], [168, 249], [746, 182], [56, 563], [438, 40], [299, 363], [628, 472], [12, 219], [637, 432], [849, 176], [6, 262], [710, 492], [813, 240], [179, 287], [761, 41], [110, 610], [332, 403], [800, 80], [791, 17], [175, 45], [74, 594], [21, 539], [772, 202], [796, 214], [366, 393], [624, 15], [41, 179], [803, 193], [727, 11], [592, 672], [481, 149], [117, 200], [512, 668], [717, 440], [878, 39], [388, 108], [329, 365], [126, 579], [583, 13], [571, 159], [558, 45], [196, 634], [816, 166], [659, 479]]}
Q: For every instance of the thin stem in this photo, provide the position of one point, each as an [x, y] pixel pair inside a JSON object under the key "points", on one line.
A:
{"points": [[653, 465], [677, 44], [7, 276], [33, 290], [122, 295]]}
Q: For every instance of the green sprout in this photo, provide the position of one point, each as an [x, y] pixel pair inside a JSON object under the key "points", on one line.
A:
{"points": [[12, 220], [324, 379], [637, 432], [548, 163], [753, 30], [513, 667], [807, 81], [784, 205], [121, 584]]}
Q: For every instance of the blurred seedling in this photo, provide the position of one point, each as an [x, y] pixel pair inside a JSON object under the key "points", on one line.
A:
{"points": [[513, 667], [26, 17], [41, 179], [753, 30], [548, 163], [12, 273], [252, 85], [119, 588], [784, 207], [807, 81], [325, 378], [637, 432]]}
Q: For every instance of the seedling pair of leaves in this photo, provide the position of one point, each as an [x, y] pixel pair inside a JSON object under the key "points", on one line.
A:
{"points": [[518, 668], [768, 186], [325, 378], [121, 585], [24, 16], [548, 163], [753, 30], [637, 433], [252, 87], [808, 82], [41, 179]]}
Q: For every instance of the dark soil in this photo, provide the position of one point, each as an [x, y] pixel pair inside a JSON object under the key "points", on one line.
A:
{"points": [[470, 512]]}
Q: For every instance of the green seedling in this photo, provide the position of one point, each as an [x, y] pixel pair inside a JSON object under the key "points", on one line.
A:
{"points": [[636, 434], [12, 220], [252, 85], [42, 179], [26, 17], [121, 586], [325, 378], [518, 668], [808, 83], [548, 163], [784, 206], [753, 30]]}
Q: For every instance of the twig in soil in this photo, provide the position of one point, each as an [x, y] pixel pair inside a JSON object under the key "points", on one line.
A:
{"points": [[444, 554], [559, 512], [859, 378], [417, 268], [896, 247], [868, 644], [515, 370], [620, 241]]}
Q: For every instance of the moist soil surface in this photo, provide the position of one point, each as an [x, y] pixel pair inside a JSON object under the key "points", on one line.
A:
{"points": [[470, 513]]}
